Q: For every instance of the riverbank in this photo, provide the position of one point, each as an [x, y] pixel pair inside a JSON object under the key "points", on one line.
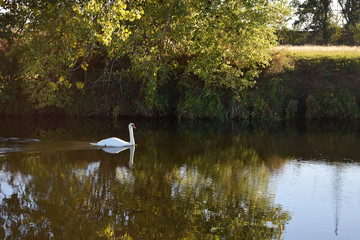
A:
{"points": [[309, 82], [313, 82]]}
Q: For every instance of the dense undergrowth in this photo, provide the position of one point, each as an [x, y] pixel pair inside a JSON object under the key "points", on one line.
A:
{"points": [[319, 82], [189, 60], [297, 84]]}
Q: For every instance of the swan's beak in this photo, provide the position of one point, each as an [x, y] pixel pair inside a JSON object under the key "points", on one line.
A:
{"points": [[134, 126]]}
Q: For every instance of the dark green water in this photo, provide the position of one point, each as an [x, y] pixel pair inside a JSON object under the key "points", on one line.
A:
{"points": [[202, 180]]}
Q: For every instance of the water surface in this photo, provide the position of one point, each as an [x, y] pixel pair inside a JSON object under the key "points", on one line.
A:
{"points": [[183, 180]]}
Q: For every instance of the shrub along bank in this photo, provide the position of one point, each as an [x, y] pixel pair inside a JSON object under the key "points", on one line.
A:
{"points": [[312, 86], [310, 82], [297, 84]]}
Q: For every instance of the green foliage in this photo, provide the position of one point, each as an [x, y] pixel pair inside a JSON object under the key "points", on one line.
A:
{"points": [[291, 109], [153, 103], [356, 33], [45, 93], [332, 102], [95, 45], [336, 35], [228, 55], [54, 39], [196, 59], [239, 108], [271, 101], [293, 37], [201, 103], [351, 12], [324, 22]]}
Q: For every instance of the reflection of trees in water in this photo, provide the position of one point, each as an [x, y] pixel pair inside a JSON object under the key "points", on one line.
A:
{"points": [[203, 192], [337, 190], [194, 180], [229, 199], [54, 202]]}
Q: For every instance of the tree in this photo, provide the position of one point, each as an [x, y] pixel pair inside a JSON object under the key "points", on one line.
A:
{"points": [[53, 39], [315, 16], [351, 12], [212, 46]]}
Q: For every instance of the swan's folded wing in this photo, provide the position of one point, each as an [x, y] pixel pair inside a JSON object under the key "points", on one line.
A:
{"points": [[111, 142]]}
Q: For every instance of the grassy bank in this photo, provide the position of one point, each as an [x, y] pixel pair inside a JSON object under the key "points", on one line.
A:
{"points": [[304, 52], [306, 82], [316, 82]]}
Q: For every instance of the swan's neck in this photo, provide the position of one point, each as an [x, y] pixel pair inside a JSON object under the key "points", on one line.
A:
{"points": [[132, 140]]}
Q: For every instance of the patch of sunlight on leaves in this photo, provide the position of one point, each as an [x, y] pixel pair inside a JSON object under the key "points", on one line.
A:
{"points": [[80, 85]]}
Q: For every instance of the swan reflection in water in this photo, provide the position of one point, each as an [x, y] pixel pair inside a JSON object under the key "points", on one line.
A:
{"points": [[124, 175], [116, 150]]}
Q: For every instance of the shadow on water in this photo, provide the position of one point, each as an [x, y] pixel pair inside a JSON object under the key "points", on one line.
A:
{"points": [[193, 180], [311, 140], [27, 145]]}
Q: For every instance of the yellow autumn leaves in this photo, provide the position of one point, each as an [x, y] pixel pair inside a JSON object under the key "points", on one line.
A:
{"points": [[62, 82], [105, 19]]}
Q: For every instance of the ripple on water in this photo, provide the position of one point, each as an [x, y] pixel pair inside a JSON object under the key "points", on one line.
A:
{"points": [[18, 140], [14, 144]]}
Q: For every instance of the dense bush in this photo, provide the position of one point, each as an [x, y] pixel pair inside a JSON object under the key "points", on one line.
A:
{"points": [[194, 59], [87, 51], [332, 102]]}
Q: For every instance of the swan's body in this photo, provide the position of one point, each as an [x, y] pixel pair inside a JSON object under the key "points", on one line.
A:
{"points": [[117, 142]]}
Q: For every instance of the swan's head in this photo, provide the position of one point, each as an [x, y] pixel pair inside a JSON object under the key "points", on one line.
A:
{"points": [[131, 125]]}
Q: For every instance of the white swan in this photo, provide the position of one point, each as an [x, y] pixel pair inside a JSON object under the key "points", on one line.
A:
{"points": [[116, 142]]}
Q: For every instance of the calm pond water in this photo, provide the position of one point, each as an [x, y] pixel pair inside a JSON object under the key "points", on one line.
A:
{"points": [[183, 180]]}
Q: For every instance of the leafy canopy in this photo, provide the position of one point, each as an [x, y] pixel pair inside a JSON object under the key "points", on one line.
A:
{"points": [[216, 44]]}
